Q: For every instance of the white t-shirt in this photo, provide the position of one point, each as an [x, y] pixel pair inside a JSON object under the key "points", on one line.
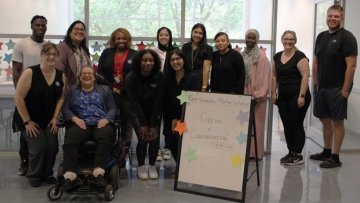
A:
{"points": [[162, 56], [27, 52]]}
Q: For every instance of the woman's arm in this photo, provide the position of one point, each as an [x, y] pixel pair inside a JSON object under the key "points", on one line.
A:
{"points": [[22, 89], [303, 67], [54, 120], [274, 84], [206, 74]]}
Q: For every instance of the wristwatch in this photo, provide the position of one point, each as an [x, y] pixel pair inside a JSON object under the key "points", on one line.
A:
{"points": [[26, 122], [301, 95]]}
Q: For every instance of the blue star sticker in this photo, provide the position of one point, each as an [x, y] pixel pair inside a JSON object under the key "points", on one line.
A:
{"points": [[10, 44], [96, 47], [8, 58], [243, 117], [242, 138]]}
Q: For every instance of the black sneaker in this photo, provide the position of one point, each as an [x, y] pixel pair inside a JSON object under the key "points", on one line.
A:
{"points": [[24, 167], [319, 156], [71, 185], [330, 163], [294, 159], [282, 160], [100, 181]]}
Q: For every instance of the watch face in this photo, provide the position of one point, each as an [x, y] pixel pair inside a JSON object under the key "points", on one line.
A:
{"points": [[26, 122]]}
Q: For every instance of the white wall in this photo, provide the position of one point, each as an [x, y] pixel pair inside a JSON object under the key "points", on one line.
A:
{"points": [[352, 8], [16, 15], [297, 15]]}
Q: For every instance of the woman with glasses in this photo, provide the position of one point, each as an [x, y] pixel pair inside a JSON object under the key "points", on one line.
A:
{"points": [[290, 92], [74, 54], [39, 98], [177, 79]]}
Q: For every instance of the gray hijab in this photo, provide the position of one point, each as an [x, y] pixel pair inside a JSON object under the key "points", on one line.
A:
{"points": [[250, 56]]}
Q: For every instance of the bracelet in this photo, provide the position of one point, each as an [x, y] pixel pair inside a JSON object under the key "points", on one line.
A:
{"points": [[302, 95], [204, 86]]}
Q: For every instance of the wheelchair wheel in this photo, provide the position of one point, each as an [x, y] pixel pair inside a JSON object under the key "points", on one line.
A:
{"points": [[109, 193], [54, 193], [114, 176]]}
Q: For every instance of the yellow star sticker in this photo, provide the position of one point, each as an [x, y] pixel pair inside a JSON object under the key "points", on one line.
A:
{"points": [[236, 160]]}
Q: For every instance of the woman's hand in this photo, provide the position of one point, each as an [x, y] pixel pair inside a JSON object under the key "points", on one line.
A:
{"points": [[274, 98], [102, 123], [79, 122], [53, 125], [32, 129], [143, 132], [300, 102], [152, 134], [173, 124]]}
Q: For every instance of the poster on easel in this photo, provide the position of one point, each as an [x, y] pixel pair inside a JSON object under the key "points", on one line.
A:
{"points": [[214, 144]]}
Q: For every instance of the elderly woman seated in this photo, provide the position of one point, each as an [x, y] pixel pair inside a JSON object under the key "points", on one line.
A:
{"points": [[90, 111]]}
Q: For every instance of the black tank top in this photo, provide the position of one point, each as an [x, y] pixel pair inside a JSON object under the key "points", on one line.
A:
{"points": [[42, 98]]}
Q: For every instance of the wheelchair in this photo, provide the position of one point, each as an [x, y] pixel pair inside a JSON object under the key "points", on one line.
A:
{"points": [[86, 156]]}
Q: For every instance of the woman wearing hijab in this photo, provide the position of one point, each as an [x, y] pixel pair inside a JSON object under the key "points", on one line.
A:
{"points": [[257, 84]]}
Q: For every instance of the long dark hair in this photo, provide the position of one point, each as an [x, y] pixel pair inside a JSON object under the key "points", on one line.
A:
{"points": [[202, 27], [162, 47], [68, 39]]}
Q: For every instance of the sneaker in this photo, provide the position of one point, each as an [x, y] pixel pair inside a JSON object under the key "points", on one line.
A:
{"points": [[330, 163], [319, 156], [153, 174], [142, 173], [282, 160], [100, 181], [294, 159], [24, 167], [159, 157], [71, 184], [167, 154]]}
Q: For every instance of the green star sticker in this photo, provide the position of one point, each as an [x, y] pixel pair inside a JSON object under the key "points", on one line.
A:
{"points": [[183, 97], [190, 154]]}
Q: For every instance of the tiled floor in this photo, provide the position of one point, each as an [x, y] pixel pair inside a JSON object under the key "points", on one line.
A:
{"points": [[278, 184], [306, 183]]}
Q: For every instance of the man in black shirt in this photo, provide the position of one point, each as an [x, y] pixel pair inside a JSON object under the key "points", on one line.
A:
{"points": [[333, 73]]}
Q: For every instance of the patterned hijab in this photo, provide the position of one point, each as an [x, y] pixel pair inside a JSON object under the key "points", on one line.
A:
{"points": [[251, 56]]}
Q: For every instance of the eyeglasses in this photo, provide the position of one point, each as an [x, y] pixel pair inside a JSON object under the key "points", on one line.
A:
{"points": [[289, 39], [51, 54], [78, 29], [175, 59], [87, 73]]}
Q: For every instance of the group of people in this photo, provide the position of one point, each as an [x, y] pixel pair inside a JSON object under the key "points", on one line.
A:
{"points": [[141, 88]]}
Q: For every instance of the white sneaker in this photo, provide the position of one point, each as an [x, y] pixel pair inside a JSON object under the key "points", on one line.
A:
{"points": [[166, 154], [153, 174], [159, 157], [142, 173]]}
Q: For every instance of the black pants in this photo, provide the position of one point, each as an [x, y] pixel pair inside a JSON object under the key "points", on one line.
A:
{"points": [[293, 117], [75, 136], [23, 151], [126, 117], [171, 139], [143, 146]]}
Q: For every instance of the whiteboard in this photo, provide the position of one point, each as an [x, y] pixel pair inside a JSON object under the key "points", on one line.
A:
{"points": [[213, 149]]}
